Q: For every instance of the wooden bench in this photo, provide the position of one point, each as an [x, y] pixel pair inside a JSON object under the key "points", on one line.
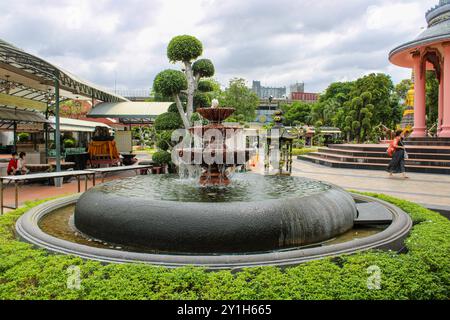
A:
{"points": [[40, 176], [104, 171]]}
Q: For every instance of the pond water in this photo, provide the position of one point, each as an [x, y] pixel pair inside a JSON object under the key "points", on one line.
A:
{"points": [[243, 187]]}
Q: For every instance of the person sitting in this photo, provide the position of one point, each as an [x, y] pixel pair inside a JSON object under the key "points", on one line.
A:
{"points": [[22, 163], [13, 165]]}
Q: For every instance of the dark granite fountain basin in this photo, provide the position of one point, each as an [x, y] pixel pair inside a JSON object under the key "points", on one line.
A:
{"points": [[253, 214]]}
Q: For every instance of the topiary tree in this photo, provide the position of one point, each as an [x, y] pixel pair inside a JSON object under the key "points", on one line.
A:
{"points": [[164, 125], [170, 83]]}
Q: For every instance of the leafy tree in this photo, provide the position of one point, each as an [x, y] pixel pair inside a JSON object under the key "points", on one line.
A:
{"points": [[358, 107], [240, 97], [432, 103], [297, 113], [402, 88], [174, 84]]}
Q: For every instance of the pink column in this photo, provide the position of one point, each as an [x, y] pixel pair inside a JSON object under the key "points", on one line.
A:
{"points": [[441, 104], [446, 109], [420, 126]]}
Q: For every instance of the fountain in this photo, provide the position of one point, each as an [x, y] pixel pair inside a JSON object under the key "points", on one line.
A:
{"points": [[216, 221]]}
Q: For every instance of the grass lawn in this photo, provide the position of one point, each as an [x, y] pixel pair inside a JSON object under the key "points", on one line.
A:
{"points": [[421, 273], [148, 150]]}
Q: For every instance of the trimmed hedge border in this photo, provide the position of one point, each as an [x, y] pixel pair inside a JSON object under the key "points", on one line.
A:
{"points": [[422, 273]]}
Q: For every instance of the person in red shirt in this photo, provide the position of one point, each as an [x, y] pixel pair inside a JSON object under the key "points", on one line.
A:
{"points": [[13, 164]]}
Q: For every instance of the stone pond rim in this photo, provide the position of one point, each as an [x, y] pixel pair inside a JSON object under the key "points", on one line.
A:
{"points": [[215, 228], [392, 238]]}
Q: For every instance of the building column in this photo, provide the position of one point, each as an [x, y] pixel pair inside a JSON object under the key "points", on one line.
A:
{"points": [[446, 109], [420, 125], [441, 104]]}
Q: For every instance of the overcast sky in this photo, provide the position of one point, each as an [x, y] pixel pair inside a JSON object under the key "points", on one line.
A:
{"points": [[278, 42]]}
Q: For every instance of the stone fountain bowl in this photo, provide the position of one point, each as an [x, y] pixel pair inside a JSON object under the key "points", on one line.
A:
{"points": [[216, 115]]}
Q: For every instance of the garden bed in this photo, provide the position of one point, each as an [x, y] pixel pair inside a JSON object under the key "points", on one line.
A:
{"points": [[421, 273]]}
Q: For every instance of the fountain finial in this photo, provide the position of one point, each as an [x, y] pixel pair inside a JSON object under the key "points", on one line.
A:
{"points": [[214, 103]]}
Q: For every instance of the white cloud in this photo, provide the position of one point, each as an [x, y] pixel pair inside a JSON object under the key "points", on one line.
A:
{"points": [[277, 42]]}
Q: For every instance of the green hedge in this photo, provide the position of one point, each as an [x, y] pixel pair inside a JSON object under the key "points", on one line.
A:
{"points": [[303, 151], [422, 273]]}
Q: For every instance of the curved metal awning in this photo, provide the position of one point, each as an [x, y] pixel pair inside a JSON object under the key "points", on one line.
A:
{"points": [[130, 112], [29, 81], [10, 117], [75, 125]]}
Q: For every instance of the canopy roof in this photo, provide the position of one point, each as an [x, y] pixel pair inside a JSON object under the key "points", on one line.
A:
{"points": [[130, 112], [438, 32], [75, 125], [32, 80], [10, 116]]}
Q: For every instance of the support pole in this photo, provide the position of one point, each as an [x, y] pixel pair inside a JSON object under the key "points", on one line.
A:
{"points": [[15, 136], [441, 104], [420, 126], [57, 127], [446, 109]]}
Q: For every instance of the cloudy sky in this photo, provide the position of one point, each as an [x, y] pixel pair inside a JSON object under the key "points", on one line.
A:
{"points": [[278, 42]]}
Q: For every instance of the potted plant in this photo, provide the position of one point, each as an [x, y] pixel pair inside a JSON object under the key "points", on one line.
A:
{"points": [[161, 160]]}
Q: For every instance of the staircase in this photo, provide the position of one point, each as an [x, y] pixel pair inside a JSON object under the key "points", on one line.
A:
{"points": [[426, 155]]}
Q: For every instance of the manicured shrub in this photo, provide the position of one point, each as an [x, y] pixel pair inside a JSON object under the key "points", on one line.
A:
{"points": [[184, 48], [201, 100], [169, 83], [205, 86], [168, 121], [23, 136], [422, 273], [204, 68], [162, 158]]}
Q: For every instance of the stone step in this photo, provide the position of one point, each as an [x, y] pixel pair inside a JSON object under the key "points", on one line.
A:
{"points": [[428, 139], [371, 166], [372, 213], [383, 147], [382, 154], [385, 160], [427, 143]]}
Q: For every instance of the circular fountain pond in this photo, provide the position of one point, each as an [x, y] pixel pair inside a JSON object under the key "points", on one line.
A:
{"points": [[256, 220]]}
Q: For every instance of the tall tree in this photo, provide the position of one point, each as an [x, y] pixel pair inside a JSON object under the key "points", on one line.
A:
{"points": [[297, 113], [403, 87], [240, 97], [432, 98], [174, 84]]}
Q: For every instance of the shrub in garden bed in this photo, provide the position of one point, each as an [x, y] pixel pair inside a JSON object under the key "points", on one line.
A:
{"points": [[422, 273]]}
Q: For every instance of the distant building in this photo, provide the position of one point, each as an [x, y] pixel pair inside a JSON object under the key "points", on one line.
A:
{"points": [[266, 92], [266, 110], [297, 87], [305, 97]]}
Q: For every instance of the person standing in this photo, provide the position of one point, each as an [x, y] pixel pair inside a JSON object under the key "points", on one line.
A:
{"points": [[398, 153]]}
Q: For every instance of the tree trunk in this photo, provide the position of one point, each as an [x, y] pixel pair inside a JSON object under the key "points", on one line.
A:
{"points": [[186, 122], [191, 89]]}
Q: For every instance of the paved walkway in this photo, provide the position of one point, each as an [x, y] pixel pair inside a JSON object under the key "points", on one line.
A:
{"points": [[35, 191], [31, 192], [431, 190]]}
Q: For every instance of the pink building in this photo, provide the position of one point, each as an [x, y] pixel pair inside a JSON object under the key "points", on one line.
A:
{"points": [[304, 96], [429, 51]]}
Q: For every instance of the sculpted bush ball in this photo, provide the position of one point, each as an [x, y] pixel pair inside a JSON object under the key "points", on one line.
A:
{"points": [[174, 84]]}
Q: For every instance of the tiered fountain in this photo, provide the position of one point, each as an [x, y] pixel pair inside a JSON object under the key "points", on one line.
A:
{"points": [[215, 216]]}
